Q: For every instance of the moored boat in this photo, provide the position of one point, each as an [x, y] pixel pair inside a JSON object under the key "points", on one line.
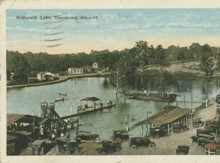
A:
{"points": [[62, 94], [59, 99], [149, 96]]}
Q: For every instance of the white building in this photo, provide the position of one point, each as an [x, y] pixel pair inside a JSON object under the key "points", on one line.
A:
{"points": [[75, 71], [95, 65], [45, 76]]}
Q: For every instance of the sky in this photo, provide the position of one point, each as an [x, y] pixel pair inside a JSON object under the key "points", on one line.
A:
{"points": [[59, 31]]}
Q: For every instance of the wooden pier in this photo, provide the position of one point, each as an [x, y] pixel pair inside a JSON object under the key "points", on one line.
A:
{"points": [[89, 110]]}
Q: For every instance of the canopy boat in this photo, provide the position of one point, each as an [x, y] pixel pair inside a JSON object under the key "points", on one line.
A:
{"points": [[97, 105], [148, 96]]}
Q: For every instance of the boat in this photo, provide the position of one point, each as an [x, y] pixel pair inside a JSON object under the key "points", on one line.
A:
{"points": [[149, 96], [96, 106], [62, 94], [59, 99]]}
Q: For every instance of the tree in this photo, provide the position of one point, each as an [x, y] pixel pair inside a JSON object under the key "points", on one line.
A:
{"points": [[18, 64], [160, 55], [172, 52], [166, 81], [207, 61], [195, 49], [141, 53]]}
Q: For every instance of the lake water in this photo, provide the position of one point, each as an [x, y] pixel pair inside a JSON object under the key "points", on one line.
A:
{"points": [[27, 101]]}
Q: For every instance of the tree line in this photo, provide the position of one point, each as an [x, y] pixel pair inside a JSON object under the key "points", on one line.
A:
{"points": [[124, 61]]}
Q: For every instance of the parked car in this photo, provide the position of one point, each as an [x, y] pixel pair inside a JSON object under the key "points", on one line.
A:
{"points": [[179, 127], [108, 147], [203, 131], [197, 122], [158, 132], [217, 98], [195, 138], [41, 147], [85, 135], [202, 142], [136, 142], [120, 135], [182, 149], [67, 145]]}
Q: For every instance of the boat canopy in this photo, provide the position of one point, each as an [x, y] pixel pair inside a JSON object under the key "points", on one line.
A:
{"points": [[90, 99]]}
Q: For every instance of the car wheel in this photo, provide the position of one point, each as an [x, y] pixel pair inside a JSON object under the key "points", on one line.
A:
{"points": [[57, 149], [118, 140], [157, 136], [103, 153], [36, 152], [200, 148], [134, 147], [151, 146], [118, 149]]}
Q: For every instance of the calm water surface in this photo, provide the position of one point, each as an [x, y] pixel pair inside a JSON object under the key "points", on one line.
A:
{"points": [[27, 101]]}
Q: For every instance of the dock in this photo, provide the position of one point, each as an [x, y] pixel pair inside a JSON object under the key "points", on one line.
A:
{"points": [[88, 110]]}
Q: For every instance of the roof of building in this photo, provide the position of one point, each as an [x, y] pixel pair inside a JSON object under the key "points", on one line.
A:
{"points": [[72, 68], [168, 115], [11, 118]]}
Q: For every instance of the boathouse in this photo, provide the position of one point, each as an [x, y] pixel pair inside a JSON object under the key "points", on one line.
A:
{"points": [[21, 122], [167, 117]]}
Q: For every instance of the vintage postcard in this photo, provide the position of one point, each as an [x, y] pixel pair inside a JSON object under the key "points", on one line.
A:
{"points": [[132, 81]]}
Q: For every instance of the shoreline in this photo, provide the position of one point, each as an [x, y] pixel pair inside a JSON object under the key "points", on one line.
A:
{"points": [[60, 80]]}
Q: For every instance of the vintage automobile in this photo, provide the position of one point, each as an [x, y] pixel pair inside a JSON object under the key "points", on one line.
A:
{"points": [[41, 147], [182, 149], [179, 127], [120, 135], [85, 135], [195, 138], [67, 145], [136, 142], [108, 147], [158, 132], [217, 100], [197, 123], [202, 142]]}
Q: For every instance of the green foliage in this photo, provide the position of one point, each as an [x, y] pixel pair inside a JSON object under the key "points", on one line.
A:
{"points": [[19, 65], [207, 61], [124, 62], [160, 55], [165, 81]]}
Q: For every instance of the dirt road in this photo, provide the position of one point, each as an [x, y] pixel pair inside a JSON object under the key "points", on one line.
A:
{"points": [[164, 145]]}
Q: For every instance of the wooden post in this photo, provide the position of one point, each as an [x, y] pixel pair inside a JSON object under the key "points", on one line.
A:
{"points": [[142, 127], [33, 125], [127, 122]]}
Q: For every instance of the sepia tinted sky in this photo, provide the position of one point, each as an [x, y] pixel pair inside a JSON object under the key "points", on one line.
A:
{"points": [[82, 30]]}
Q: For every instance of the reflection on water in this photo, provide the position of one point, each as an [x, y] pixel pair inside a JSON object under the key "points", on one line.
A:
{"points": [[27, 101]]}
